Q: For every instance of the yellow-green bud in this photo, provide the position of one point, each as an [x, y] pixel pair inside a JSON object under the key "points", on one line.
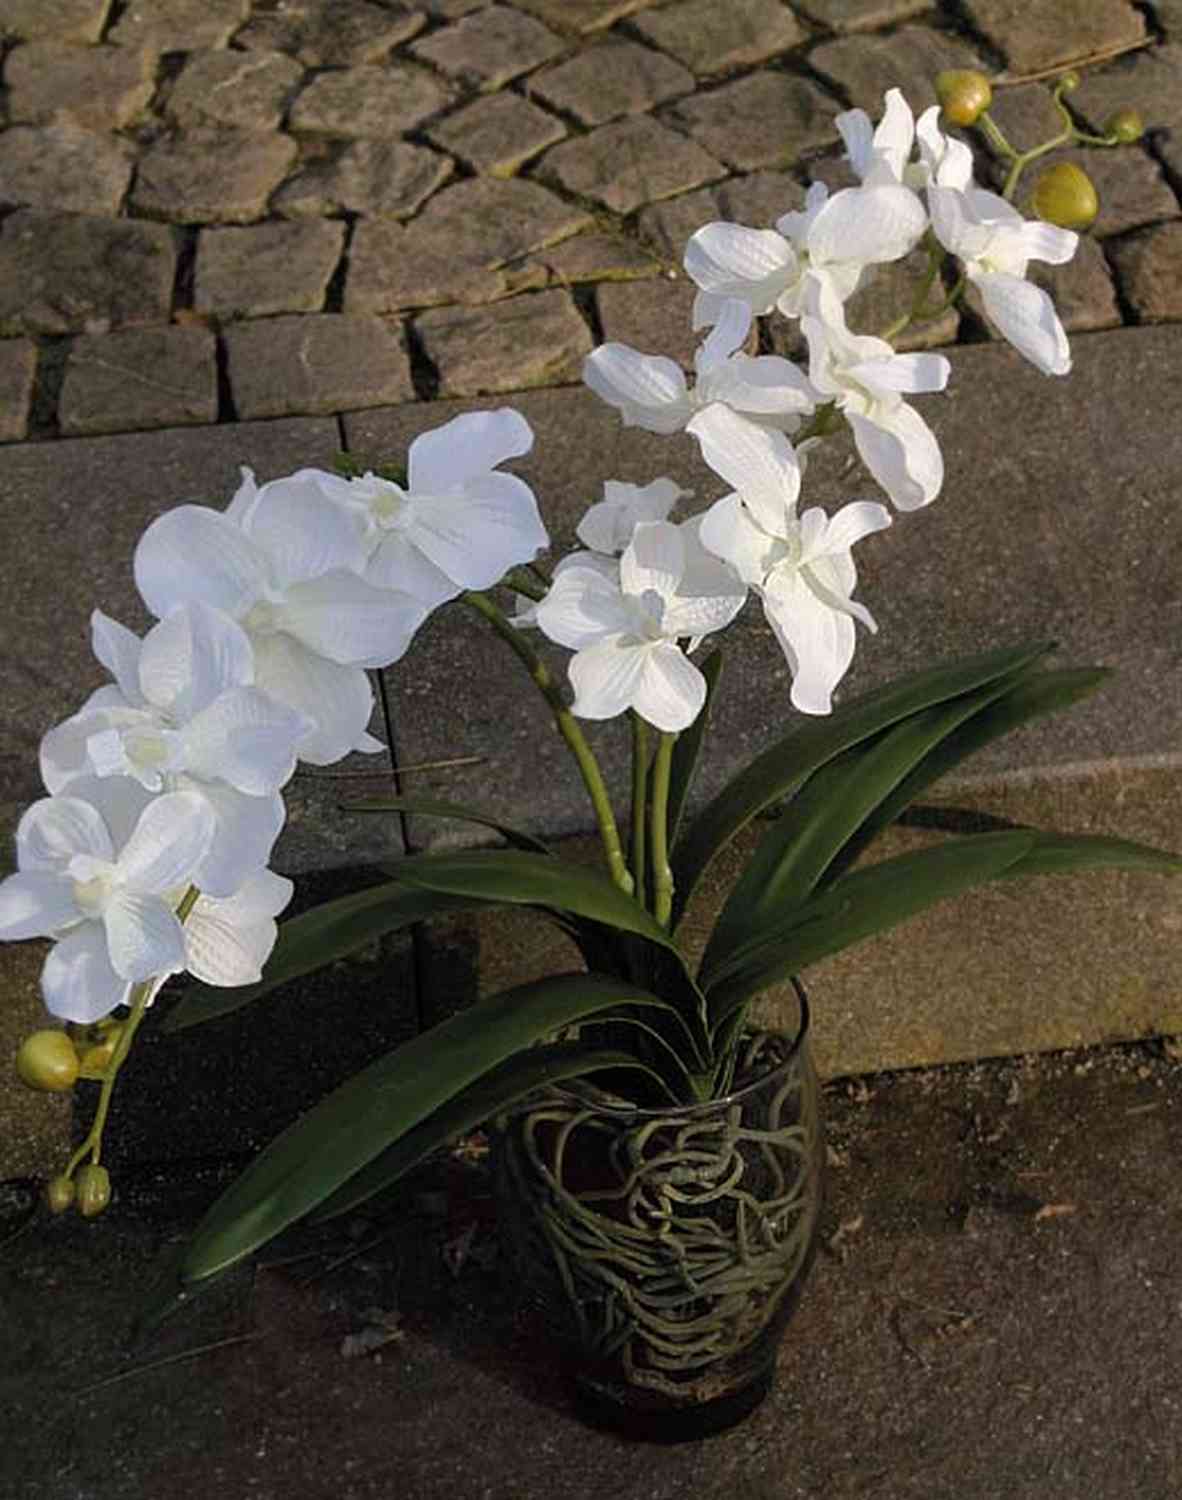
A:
{"points": [[59, 1194], [1125, 126], [964, 95], [96, 1059], [1064, 195], [1069, 82], [94, 1190], [48, 1060]]}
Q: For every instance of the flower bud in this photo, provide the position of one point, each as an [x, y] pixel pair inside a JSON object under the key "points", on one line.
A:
{"points": [[1125, 127], [1064, 195], [94, 1190], [964, 95], [48, 1060], [96, 1059], [59, 1194], [1069, 82]]}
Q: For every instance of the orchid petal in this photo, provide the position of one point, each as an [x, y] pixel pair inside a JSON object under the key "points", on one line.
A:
{"points": [[243, 841], [36, 903], [54, 829], [729, 532], [193, 553], [169, 841], [900, 450], [606, 677], [731, 328], [341, 617], [582, 605], [144, 936], [78, 981], [465, 448], [817, 641], [190, 657], [1025, 316], [339, 700], [118, 649], [730, 260], [246, 739], [671, 690], [648, 390], [654, 559], [867, 225], [760, 464], [475, 536], [302, 531]]}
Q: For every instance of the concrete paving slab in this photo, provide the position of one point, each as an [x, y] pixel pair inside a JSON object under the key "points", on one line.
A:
{"points": [[991, 1315]]}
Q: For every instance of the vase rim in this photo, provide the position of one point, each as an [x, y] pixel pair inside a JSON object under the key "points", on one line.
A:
{"points": [[621, 1107]]}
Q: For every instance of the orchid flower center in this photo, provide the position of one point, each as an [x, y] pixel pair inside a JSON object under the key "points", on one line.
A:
{"points": [[646, 613], [390, 507], [94, 881]]}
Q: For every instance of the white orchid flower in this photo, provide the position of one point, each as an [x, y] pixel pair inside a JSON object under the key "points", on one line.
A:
{"points": [[459, 523], [228, 940], [184, 717], [943, 160], [995, 244], [285, 564], [831, 241], [625, 630], [608, 525], [102, 895], [882, 155], [867, 380], [801, 568], [650, 391]]}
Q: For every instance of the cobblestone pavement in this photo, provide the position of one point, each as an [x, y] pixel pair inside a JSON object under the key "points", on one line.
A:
{"points": [[216, 210]]}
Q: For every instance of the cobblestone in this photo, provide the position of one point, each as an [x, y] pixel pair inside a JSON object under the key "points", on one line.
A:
{"points": [[1149, 267], [450, 10], [179, 25], [56, 20], [1025, 114], [139, 378], [618, 77], [582, 15], [594, 257], [499, 134], [248, 90], [469, 244], [1149, 81], [368, 102], [18, 370], [62, 167], [99, 88], [266, 268], [211, 176], [1037, 34], [383, 179], [713, 38], [526, 341], [489, 47], [629, 163], [909, 59], [332, 33], [653, 316], [77, 273], [861, 15], [764, 120], [309, 366]]}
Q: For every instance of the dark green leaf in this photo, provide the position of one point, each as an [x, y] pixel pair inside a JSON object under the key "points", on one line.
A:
{"points": [[829, 810], [688, 748], [1029, 698], [858, 906], [377, 1107], [1070, 854], [513, 1080], [784, 766], [318, 937]]}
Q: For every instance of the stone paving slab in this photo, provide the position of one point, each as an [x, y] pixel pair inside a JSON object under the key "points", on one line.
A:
{"points": [[629, 163], [248, 90], [497, 135], [767, 119], [368, 101], [1037, 34], [316, 365], [65, 168], [266, 268], [180, 26], [63, 20], [98, 88], [81, 273], [617, 77], [212, 176], [711, 38], [166, 376], [1150, 269], [18, 367], [379, 179], [489, 47], [864, 67], [539, 339], [331, 33]]}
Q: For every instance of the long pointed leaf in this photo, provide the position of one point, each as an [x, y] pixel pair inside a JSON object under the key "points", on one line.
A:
{"points": [[513, 1080], [379, 1105], [828, 811], [318, 937], [785, 765], [434, 807], [688, 748], [1070, 854], [1029, 698], [859, 905]]}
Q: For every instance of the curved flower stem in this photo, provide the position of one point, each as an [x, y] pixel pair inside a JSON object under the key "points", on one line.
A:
{"points": [[568, 727], [142, 996], [918, 311], [659, 829], [639, 802]]}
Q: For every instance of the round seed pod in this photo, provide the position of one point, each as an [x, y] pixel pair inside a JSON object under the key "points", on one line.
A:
{"points": [[964, 95], [48, 1060], [94, 1190], [1065, 195]]}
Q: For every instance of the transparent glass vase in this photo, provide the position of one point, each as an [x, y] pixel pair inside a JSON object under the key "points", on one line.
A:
{"points": [[666, 1249]]}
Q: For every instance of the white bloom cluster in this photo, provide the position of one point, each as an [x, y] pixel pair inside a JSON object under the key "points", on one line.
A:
{"points": [[269, 613], [169, 779]]}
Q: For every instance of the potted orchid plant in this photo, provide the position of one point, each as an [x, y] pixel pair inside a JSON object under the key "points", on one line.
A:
{"points": [[661, 1155]]}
